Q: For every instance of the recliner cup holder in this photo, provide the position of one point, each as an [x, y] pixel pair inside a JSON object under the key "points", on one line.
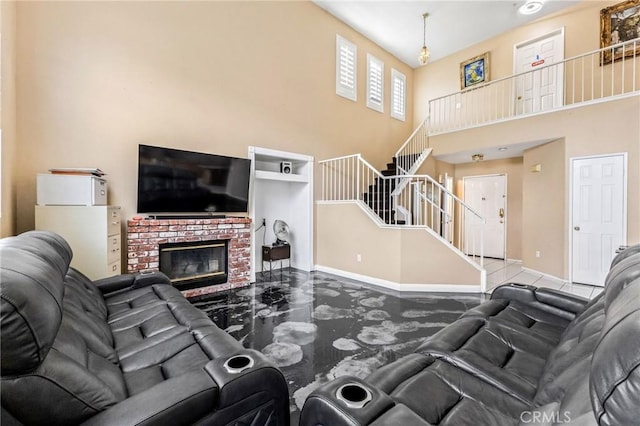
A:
{"points": [[354, 395], [237, 364]]}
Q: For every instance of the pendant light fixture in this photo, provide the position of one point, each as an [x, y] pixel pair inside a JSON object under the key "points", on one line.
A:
{"points": [[424, 53]]}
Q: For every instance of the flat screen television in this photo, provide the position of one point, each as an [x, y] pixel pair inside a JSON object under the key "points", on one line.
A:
{"points": [[185, 182]]}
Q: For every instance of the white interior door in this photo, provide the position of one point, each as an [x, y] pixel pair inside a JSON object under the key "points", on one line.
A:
{"points": [[542, 89], [598, 215], [487, 195]]}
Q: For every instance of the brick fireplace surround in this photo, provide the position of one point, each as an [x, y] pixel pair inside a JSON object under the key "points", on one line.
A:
{"points": [[145, 236]]}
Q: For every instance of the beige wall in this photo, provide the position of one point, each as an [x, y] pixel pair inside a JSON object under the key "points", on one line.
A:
{"points": [[426, 260], [98, 78], [442, 168], [544, 208], [348, 232], [512, 167], [8, 117], [582, 34], [407, 256]]}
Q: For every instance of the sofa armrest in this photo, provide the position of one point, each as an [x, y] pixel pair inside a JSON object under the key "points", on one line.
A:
{"points": [[556, 302], [210, 395], [248, 372], [115, 283], [144, 279], [182, 400], [346, 400], [560, 299], [127, 281], [513, 291]]}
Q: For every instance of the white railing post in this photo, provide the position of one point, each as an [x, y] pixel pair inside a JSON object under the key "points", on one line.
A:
{"points": [[358, 190], [482, 244], [323, 196]]}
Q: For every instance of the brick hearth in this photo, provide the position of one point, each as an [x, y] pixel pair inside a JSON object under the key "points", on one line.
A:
{"points": [[145, 236]]}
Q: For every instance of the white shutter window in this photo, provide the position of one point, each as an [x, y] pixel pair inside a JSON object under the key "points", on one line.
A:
{"points": [[398, 95], [346, 68], [375, 83]]}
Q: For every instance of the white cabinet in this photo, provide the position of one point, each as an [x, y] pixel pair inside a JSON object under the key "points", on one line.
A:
{"points": [[93, 232], [285, 196]]}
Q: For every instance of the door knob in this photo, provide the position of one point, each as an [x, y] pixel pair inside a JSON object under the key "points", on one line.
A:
{"points": [[577, 228]]}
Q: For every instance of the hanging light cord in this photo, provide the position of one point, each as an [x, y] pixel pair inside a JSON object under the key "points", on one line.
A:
{"points": [[424, 29], [424, 52]]}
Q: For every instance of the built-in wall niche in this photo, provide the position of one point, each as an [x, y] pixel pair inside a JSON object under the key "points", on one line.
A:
{"points": [[285, 196]]}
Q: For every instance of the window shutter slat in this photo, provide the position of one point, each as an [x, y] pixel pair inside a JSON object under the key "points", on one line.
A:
{"points": [[375, 83], [346, 68], [398, 95]]}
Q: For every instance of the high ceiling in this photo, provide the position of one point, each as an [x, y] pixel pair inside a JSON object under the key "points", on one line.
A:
{"points": [[453, 25]]}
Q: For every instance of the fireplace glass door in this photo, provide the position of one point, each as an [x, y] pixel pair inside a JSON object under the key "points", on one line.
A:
{"points": [[194, 264]]}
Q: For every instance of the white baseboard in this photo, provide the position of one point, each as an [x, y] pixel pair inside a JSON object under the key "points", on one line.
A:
{"points": [[435, 288]]}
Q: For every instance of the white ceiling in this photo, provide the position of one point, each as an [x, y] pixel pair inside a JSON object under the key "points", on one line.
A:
{"points": [[453, 25], [491, 153]]}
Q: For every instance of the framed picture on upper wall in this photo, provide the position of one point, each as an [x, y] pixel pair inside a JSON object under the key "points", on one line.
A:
{"points": [[474, 71], [618, 24]]}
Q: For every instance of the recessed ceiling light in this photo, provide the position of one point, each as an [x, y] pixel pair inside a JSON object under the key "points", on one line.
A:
{"points": [[530, 7], [502, 148]]}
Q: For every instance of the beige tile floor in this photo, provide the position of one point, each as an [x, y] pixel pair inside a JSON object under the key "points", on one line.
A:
{"points": [[510, 271]]}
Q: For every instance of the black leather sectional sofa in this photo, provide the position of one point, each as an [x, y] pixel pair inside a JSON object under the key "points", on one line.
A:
{"points": [[120, 351], [527, 356]]}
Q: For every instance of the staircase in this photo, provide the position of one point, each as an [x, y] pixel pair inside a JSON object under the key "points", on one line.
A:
{"points": [[379, 196], [396, 196]]}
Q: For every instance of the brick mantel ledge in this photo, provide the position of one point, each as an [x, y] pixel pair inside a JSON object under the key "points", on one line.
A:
{"points": [[145, 236]]}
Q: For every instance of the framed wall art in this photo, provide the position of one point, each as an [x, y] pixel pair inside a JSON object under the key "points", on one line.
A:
{"points": [[474, 71], [619, 23]]}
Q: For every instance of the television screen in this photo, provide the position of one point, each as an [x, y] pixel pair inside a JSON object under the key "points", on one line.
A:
{"points": [[177, 181]]}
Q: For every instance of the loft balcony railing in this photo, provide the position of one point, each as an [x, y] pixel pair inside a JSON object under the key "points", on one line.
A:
{"points": [[588, 78]]}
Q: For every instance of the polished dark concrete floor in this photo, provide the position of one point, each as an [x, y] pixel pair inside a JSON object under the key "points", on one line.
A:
{"points": [[317, 326]]}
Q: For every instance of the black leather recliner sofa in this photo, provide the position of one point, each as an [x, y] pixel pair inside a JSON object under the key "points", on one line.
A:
{"points": [[527, 356], [119, 351]]}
